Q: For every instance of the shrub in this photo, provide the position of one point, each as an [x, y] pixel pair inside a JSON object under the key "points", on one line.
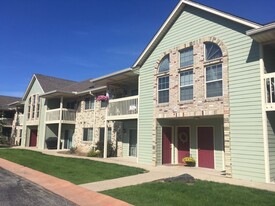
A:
{"points": [[93, 153], [111, 150], [73, 150]]}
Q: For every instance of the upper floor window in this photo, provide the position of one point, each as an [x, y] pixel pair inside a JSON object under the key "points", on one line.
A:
{"points": [[214, 80], [163, 89], [89, 103], [164, 64], [33, 106], [186, 85], [186, 57], [103, 103], [212, 51]]}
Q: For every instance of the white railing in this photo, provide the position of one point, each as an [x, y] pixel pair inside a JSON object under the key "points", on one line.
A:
{"points": [[20, 119], [269, 80], [54, 115], [123, 106]]}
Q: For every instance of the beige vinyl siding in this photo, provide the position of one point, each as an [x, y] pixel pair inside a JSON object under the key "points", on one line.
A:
{"points": [[244, 87], [271, 142]]}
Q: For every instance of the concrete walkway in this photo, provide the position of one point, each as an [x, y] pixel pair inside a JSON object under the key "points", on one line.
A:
{"points": [[69, 191], [160, 172]]}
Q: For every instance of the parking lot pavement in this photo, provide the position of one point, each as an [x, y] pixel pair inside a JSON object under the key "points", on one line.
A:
{"points": [[16, 191]]}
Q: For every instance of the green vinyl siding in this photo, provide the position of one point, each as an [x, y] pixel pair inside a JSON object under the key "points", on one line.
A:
{"points": [[35, 89], [244, 86], [271, 143]]}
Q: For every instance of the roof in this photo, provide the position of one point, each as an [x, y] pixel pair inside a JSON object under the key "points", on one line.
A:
{"points": [[173, 16], [6, 100], [263, 34], [48, 83]]}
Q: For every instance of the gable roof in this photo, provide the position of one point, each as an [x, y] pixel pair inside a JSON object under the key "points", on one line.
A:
{"points": [[173, 16], [47, 83], [6, 100]]}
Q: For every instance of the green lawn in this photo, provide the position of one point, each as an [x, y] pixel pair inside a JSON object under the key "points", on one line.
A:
{"points": [[197, 194], [77, 171]]}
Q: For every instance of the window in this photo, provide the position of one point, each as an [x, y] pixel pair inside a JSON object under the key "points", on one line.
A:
{"points": [[89, 103], [186, 85], [186, 57], [212, 51], [163, 89], [164, 64], [87, 134], [103, 103], [109, 133], [214, 80], [20, 133], [38, 106], [101, 134]]}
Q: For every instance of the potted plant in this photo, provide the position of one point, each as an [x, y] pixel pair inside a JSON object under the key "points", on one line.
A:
{"points": [[189, 161]]}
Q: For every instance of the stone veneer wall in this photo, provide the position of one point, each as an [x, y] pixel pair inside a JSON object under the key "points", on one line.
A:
{"points": [[95, 118], [200, 105]]}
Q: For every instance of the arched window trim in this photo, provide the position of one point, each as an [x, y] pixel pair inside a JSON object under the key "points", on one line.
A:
{"points": [[164, 68], [212, 55]]}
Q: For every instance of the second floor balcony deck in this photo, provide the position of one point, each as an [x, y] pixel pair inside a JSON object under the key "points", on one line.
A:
{"points": [[65, 116], [123, 108]]}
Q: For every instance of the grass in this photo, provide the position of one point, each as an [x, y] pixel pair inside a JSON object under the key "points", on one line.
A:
{"points": [[77, 171], [197, 194]]}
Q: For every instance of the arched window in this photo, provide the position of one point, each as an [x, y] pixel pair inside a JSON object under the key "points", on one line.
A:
{"points": [[164, 64], [212, 51]]}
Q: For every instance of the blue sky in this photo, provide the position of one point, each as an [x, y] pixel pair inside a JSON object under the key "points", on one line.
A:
{"points": [[81, 39]]}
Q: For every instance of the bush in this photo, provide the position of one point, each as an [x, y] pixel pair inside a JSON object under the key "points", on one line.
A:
{"points": [[111, 151], [93, 153], [51, 142], [73, 150]]}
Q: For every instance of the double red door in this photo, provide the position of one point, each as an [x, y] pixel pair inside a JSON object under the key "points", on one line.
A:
{"points": [[206, 147], [33, 138]]}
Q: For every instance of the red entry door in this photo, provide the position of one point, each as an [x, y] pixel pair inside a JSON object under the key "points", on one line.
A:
{"points": [[33, 138], [206, 147], [183, 143], [166, 145]]}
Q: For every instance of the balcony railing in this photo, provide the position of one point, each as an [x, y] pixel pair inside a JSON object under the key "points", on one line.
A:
{"points": [[20, 119], [127, 107], [7, 122], [54, 115], [269, 80]]}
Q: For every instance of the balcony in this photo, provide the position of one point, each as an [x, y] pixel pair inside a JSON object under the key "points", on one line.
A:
{"points": [[6, 122], [67, 116], [269, 80], [20, 119], [123, 108]]}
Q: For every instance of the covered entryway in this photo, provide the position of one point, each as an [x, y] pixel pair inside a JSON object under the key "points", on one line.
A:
{"points": [[206, 147], [133, 143], [183, 144], [33, 138], [166, 145]]}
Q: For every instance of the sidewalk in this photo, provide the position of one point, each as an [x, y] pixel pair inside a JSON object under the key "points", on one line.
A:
{"points": [[74, 193], [160, 172]]}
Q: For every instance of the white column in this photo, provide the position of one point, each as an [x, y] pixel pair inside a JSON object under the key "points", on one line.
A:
{"points": [[264, 118], [60, 124], [106, 134]]}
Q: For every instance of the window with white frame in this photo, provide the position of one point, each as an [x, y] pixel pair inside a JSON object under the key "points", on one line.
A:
{"points": [[212, 51], [186, 85], [87, 134], [186, 57], [163, 89], [164, 64], [109, 133], [33, 107], [89, 103], [214, 82]]}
